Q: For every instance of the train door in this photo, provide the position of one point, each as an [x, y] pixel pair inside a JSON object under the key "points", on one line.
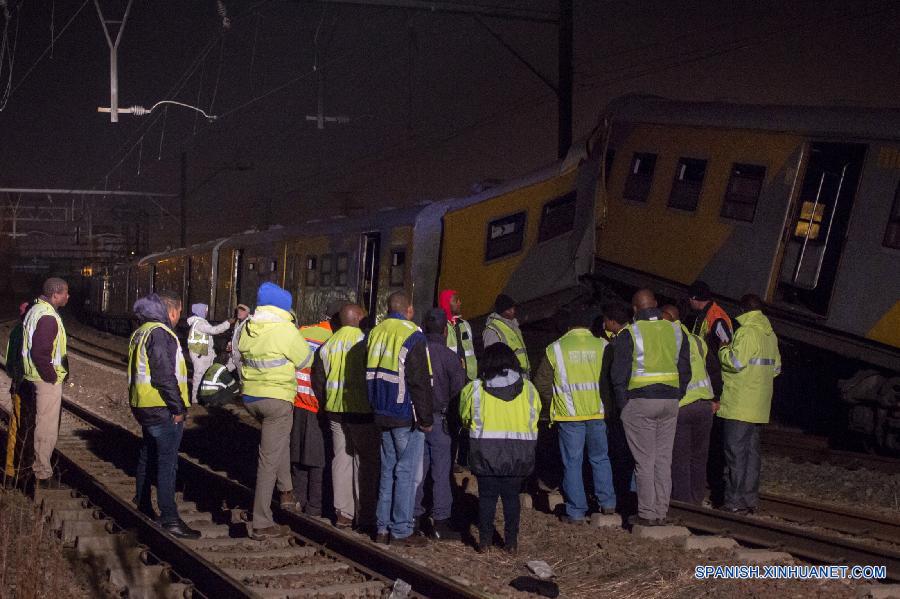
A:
{"points": [[370, 253], [815, 232]]}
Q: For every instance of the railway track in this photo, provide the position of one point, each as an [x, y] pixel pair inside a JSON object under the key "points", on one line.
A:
{"points": [[315, 560], [816, 450]]}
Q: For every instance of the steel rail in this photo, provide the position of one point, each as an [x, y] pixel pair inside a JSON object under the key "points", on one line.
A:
{"points": [[842, 520], [362, 554], [812, 546]]}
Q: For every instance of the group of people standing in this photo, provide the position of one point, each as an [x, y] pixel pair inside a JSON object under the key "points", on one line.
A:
{"points": [[394, 408]]}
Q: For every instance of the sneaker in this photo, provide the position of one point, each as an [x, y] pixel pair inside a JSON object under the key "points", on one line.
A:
{"points": [[180, 530], [410, 541], [286, 500], [270, 532], [343, 522], [443, 530], [382, 538], [608, 511]]}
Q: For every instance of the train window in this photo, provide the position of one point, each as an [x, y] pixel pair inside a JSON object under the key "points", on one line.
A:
{"points": [[640, 177], [311, 265], [505, 236], [273, 265], [343, 265], [742, 193], [398, 267], [326, 276], [892, 233], [557, 217], [688, 181]]}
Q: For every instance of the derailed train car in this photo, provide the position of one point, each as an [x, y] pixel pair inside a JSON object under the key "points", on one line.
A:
{"points": [[800, 205]]}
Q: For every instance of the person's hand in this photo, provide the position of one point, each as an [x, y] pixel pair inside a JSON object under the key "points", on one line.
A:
{"points": [[715, 406], [178, 418], [231, 321], [425, 429]]}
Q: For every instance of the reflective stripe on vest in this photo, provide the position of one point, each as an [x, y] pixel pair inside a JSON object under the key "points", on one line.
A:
{"points": [[141, 393], [386, 360], [197, 341], [576, 359], [512, 339], [640, 375], [40, 309], [478, 430], [273, 363]]}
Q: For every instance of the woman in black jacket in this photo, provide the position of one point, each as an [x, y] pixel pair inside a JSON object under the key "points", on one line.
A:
{"points": [[500, 408]]}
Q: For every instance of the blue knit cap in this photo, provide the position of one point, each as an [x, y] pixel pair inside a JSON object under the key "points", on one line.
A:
{"points": [[270, 294]]}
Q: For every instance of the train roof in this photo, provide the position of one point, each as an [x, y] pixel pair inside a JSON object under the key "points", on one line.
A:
{"points": [[826, 121]]}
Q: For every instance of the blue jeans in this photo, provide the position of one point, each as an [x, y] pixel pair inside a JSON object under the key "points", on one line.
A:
{"points": [[159, 449], [573, 436], [401, 473]]}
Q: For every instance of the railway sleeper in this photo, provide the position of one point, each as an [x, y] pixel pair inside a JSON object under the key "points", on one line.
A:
{"points": [[371, 588], [297, 553], [301, 570]]}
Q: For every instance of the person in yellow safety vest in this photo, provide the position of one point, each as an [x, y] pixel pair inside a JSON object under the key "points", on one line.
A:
{"points": [[502, 327], [241, 314], [398, 379], [272, 349], [650, 371], [21, 420], [459, 332], [339, 375], [695, 418], [307, 442], [569, 380], [200, 343], [45, 368], [158, 395], [500, 409], [750, 364]]}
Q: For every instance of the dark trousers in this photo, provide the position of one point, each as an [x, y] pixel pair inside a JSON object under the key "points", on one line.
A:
{"points": [[690, 451], [507, 488], [436, 463], [159, 450], [308, 487], [742, 463]]}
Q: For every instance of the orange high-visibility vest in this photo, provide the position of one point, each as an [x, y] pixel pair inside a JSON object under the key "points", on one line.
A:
{"points": [[315, 335]]}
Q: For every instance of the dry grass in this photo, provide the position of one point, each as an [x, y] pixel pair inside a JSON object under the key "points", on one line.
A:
{"points": [[32, 564]]}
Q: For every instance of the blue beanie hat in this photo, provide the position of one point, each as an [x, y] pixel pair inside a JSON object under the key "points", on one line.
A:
{"points": [[270, 294]]}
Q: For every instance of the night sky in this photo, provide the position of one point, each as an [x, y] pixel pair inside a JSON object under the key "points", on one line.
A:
{"points": [[435, 103]]}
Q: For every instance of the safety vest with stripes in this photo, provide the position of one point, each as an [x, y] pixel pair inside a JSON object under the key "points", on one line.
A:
{"points": [[750, 364], [654, 361], [197, 341], [492, 418], [141, 393], [714, 312], [345, 383], [465, 348], [700, 386], [272, 349], [512, 338], [576, 358], [216, 379], [315, 335], [387, 348], [40, 309]]}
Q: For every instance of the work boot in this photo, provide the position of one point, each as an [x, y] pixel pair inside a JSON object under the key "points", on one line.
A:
{"points": [[570, 520], [444, 531], [608, 511], [638, 521], [382, 538], [511, 548], [180, 530], [47, 483], [483, 546], [342, 521], [410, 541], [270, 532]]}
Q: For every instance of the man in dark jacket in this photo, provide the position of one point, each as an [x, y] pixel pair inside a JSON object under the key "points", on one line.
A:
{"points": [[21, 421], [448, 378], [650, 371], [158, 394], [399, 390]]}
